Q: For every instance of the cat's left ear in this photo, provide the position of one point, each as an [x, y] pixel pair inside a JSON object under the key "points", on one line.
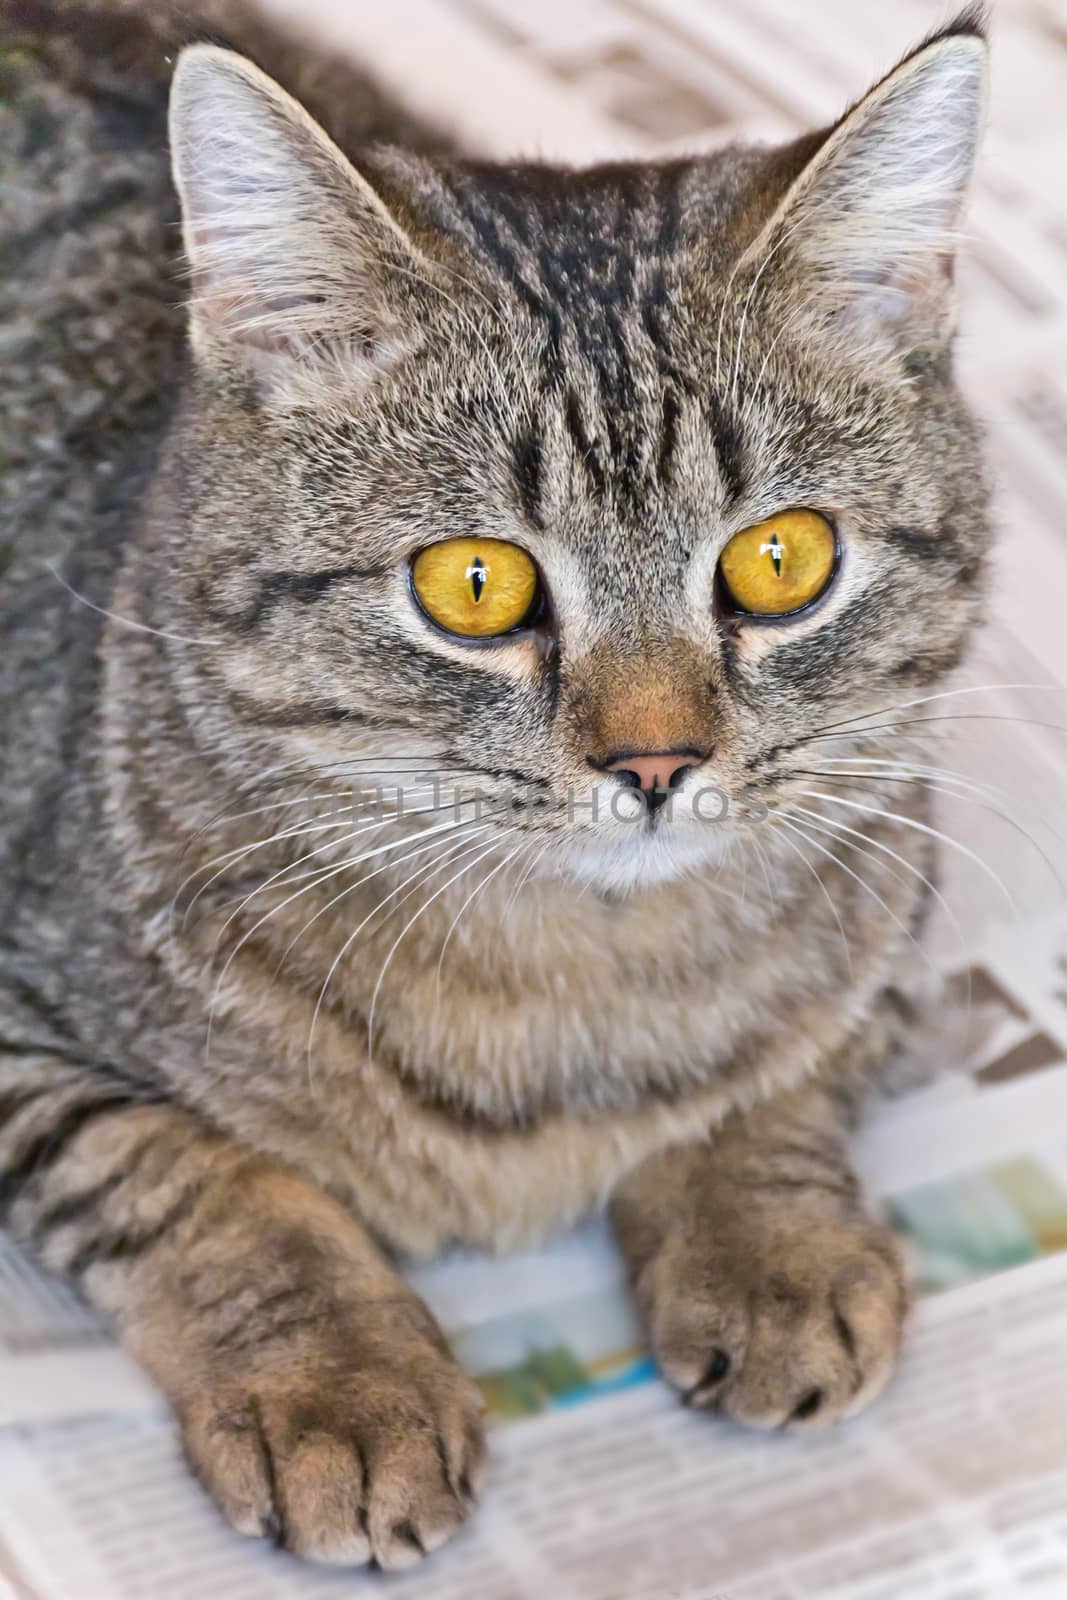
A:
{"points": [[867, 233]]}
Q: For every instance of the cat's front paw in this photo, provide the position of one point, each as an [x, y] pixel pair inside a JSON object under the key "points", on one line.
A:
{"points": [[778, 1319], [347, 1452]]}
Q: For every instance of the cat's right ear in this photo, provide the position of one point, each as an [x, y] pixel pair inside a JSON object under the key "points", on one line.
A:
{"points": [[293, 257]]}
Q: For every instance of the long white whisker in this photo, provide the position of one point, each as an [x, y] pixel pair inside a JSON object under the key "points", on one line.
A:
{"points": [[932, 722], [449, 852], [351, 765], [762, 859], [461, 828], [838, 829], [828, 825], [232, 858], [288, 876], [411, 923], [350, 794], [789, 323], [420, 872], [920, 827], [828, 898], [740, 847], [980, 797], [946, 694], [319, 778], [768, 258], [864, 885], [125, 622], [296, 833], [535, 856], [323, 875], [880, 768], [472, 896]]}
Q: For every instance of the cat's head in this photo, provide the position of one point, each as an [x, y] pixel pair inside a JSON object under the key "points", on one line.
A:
{"points": [[560, 482]]}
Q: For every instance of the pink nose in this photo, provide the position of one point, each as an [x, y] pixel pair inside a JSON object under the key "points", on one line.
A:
{"points": [[656, 772]]}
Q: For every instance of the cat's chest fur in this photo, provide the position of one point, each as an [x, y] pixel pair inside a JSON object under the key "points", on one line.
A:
{"points": [[504, 1092]]}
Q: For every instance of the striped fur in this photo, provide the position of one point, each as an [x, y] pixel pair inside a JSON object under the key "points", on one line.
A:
{"points": [[252, 1038]]}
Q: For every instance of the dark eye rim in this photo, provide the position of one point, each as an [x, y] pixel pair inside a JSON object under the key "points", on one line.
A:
{"points": [[727, 606], [538, 617]]}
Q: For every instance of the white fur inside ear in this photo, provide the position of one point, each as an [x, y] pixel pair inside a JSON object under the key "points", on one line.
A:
{"points": [[288, 246], [874, 220]]}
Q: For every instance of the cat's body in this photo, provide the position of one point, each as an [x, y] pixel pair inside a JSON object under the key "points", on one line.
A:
{"points": [[683, 1036]]}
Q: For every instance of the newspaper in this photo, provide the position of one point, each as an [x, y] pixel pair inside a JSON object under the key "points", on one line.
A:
{"points": [[954, 1486], [602, 1487]]}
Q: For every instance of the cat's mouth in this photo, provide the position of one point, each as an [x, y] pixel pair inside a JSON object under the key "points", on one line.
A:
{"points": [[647, 854]]}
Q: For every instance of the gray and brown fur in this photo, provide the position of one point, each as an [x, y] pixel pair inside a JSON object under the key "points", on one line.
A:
{"points": [[617, 368]]}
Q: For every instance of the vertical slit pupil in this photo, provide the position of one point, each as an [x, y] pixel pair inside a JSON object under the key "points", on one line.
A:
{"points": [[776, 550], [477, 572]]}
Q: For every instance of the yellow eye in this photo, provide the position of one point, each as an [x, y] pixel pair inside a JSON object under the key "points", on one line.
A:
{"points": [[779, 565], [477, 588]]}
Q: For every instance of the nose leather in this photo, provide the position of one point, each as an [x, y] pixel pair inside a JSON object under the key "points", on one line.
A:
{"points": [[655, 771]]}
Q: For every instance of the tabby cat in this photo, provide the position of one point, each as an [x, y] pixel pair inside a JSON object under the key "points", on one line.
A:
{"points": [[449, 613]]}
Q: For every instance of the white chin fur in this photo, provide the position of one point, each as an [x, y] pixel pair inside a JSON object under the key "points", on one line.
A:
{"points": [[635, 860]]}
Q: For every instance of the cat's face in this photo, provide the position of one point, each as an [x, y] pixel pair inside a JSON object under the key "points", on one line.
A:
{"points": [[598, 382]]}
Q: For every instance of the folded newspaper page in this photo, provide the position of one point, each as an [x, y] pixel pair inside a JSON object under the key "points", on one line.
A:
{"points": [[954, 1486]]}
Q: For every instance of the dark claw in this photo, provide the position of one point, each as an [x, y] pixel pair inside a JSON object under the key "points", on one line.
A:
{"points": [[273, 1530], [714, 1373], [845, 1334], [808, 1406], [718, 1367], [408, 1534]]}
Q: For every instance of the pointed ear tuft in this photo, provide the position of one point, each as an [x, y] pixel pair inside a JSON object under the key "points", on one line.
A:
{"points": [[290, 250], [870, 227], [972, 20]]}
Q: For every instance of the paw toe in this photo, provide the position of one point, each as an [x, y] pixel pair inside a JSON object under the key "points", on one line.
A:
{"points": [[794, 1341], [383, 1475], [411, 1508], [319, 1489]]}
